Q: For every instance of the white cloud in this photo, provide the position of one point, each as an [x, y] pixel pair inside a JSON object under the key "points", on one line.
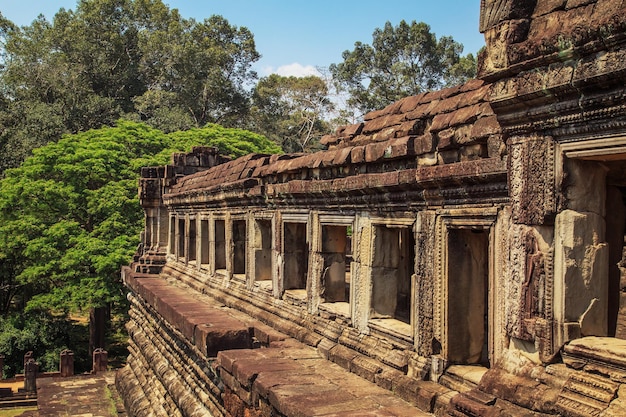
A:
{"points": [[296, 70]]}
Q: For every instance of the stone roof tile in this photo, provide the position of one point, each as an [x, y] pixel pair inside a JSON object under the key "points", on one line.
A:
{"points": [[375, 125], [449, 104], [410, 127], [440, 122], [329, 140], [424, 144], [465, 115], [357, 155], [352, 130], [472, 85], [342, 156], [408, 104], [485, 126], [385, 134], [475, 96], [421, 111]]}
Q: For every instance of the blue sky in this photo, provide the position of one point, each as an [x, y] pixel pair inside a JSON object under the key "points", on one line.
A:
{"points": [[296, 36]]}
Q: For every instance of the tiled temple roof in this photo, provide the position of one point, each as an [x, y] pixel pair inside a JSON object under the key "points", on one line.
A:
{"points": [[434, 128]]}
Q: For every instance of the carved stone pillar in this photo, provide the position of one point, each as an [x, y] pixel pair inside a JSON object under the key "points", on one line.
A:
{"points": [[425, 273], [100, 360], [30, 375], [66, 364]]}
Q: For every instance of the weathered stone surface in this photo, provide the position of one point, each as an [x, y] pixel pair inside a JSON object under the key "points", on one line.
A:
{"points": [[531, 179], [211, 328], [312, 387], [581, 257]]}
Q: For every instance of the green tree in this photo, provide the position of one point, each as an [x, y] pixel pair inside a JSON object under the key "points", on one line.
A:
{"points": [[404, 60], [291, 111], [70, 216], [112, 58], [198, 69]]}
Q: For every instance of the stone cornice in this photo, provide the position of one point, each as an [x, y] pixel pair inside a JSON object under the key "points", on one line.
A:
{"points": [[480, 180]]}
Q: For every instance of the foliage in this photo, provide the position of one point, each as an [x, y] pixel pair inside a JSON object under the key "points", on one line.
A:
{"points": [[404, 60], [291, 111], [46, 336], [232, 142], [70, 216], [197, 69], [111, 58]]}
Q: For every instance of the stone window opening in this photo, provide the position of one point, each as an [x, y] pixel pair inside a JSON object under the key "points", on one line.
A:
{"points": [[393, 268], [296, 260], [239, 241], [220, 245], [591, 231], [335, 278], [192, 250], [262, 249], [468, 296], [204, 243], [616, 236], [180, 253]]}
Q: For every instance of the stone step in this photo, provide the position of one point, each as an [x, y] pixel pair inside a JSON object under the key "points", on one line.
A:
{"points": [[18, 402], [291, 378], [208, 325]]}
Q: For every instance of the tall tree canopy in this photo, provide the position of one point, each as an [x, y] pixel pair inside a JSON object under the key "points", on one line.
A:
{"points": [[291, 111], [70, 216], [111, 58], [404, 60]]}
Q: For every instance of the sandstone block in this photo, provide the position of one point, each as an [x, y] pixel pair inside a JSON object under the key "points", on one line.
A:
{"points": [[357, 154], [424, 144], [342, 356], [484, 127]]}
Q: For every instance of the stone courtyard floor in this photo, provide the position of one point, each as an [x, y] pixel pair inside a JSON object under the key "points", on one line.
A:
{"points": [[80, 395]]}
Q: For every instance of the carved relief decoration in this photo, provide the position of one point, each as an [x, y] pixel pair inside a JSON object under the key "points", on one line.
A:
{"points": [[533, 288], [531, 179], [425, 271]]}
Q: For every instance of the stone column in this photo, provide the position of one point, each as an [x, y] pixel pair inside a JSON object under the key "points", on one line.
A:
{"points": [[66, 365], [30, 375], [27, 356], [100, 360]]}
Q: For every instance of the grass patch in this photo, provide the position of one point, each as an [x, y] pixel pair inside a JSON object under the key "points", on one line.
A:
{"points": [[14, 412]]}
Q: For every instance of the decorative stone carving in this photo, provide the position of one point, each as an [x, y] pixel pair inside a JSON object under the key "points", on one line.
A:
{"points": [[533, 289], [531, 179], [425, 272]]}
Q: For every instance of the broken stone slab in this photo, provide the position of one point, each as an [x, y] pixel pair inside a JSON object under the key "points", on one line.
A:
{"points": [[604, 355]]}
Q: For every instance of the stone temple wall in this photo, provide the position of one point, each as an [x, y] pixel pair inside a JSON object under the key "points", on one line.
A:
{"points": [[459, 252]]}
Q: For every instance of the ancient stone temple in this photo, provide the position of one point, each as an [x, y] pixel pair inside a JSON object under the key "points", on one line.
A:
{"points": [[458, 253]]}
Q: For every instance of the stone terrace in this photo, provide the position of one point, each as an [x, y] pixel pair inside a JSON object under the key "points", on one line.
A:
{"points": [[281, 376]]}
